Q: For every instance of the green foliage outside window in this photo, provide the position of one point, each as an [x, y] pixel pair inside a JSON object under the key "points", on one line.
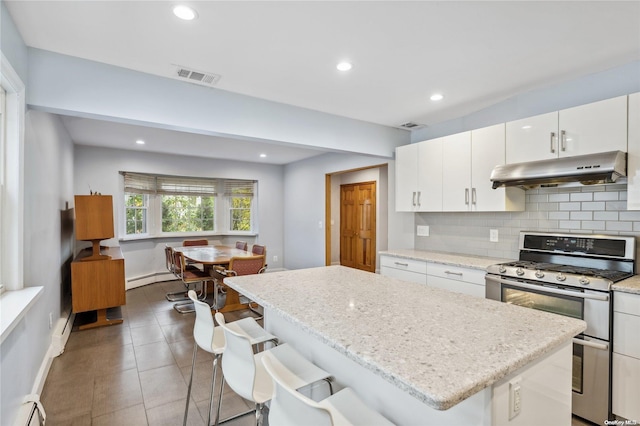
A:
{"points": [[240, 213], [136, 213], [187, 213]]}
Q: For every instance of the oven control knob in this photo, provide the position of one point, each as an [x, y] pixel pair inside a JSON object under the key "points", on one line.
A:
{"points": [[520, 272], [560, 276], [502, 269], [584, 280], [539, 274]]}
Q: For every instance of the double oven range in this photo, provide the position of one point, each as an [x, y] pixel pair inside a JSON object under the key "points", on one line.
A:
{"points": [[572, 274]]}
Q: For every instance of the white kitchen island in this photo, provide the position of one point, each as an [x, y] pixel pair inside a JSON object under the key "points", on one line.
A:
{"points": [[420, 355]]}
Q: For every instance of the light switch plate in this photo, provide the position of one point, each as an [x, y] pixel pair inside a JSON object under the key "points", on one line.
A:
{"points": [[422, 231], [493, 235]]}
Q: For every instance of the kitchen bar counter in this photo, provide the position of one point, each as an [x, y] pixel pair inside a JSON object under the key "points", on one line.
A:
{"points": [[454, 259], [438, 346]]}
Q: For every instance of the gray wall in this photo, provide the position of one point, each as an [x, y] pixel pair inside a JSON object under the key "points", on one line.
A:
{"points": [[48, 246]]}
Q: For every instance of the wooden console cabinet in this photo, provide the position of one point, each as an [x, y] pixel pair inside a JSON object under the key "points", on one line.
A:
{"points": [[98, 284]]}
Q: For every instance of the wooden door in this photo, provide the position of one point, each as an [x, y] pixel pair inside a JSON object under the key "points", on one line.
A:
{"points": [[358, 226]]}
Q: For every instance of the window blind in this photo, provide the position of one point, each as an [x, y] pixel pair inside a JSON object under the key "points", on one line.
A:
{"points": [[143, 183], [239, 187]]}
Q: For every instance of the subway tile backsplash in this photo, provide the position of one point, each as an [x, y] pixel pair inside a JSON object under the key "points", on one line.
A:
{"points": [[597, 209]]}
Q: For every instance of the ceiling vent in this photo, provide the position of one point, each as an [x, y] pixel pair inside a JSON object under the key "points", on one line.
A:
{"points": [[409, 125], [194, 76]]}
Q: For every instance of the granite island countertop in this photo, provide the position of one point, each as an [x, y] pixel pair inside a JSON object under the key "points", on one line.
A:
{"points": [[441, 348], [453, 259]]}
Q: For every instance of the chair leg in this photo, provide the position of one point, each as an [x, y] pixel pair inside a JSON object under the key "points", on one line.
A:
{"points": [[216, 359], [193, 363], [184, 308]]}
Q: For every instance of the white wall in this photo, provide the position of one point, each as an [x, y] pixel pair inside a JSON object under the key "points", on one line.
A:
{"points": [[48, 189], [99, 168]]}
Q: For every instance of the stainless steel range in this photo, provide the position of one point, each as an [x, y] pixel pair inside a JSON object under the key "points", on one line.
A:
{"points": [[571, 274]]}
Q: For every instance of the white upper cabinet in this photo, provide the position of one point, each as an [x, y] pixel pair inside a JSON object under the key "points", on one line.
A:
{"points": [[586, 129], [488, 151], [406, 177], [469, 159], [633, 156], [419, 177], [430, 168], [456, 175]]}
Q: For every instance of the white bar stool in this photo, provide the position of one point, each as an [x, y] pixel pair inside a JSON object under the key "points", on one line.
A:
{"points": [[291, 408], [246, 375], [211, 339]]}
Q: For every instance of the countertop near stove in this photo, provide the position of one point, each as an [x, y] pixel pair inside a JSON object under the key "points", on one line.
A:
{"points": [[454, 259], [630, 285], [442, 348]]}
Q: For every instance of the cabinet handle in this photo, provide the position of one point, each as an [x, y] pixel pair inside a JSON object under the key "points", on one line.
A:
{"points": [[466, 195], [453, 273], [419, 198], [401, 264], [563, 140], [414, 199], [553, 136], [473, 196]]}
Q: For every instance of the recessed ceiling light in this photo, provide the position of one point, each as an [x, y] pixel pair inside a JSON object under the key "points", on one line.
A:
{"points": [[140, 142], [263, 155], [527, 127], [185, 12], [436, 97], [344, 66]]}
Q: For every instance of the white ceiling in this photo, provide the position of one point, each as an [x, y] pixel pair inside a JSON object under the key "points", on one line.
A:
{"points": [[476, 53]]}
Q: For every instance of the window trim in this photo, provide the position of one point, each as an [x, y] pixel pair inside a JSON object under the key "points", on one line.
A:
{"points": [[154, 208], [12, 242]]}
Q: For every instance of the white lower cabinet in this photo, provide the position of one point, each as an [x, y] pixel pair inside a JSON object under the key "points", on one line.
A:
{"points": [[404, 269], [626, 356], [455, 278]]}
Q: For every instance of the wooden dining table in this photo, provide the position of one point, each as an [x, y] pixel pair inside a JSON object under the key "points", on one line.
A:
{"points": [[217, 255]]}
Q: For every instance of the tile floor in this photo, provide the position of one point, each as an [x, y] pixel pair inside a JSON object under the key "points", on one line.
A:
{"points": [[135, 373]]}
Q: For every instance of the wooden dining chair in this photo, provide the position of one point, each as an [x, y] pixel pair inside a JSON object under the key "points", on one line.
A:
{"points": [[202, 242], [259, 250], [241, 265], [242, 245]]}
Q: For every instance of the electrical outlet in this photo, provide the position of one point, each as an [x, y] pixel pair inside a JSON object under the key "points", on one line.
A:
{"points": [[275, 258], [515, 397], [422, 231], [493, 235]]}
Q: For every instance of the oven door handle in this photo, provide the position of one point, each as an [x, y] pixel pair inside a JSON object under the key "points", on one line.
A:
{"points": [[601, 346], [603, 298]]}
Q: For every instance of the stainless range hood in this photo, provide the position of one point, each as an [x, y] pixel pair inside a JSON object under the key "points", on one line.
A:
{"points": [[589, 169]]}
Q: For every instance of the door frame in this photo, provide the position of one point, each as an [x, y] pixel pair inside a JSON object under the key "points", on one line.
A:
{"points": [[327, 211]]}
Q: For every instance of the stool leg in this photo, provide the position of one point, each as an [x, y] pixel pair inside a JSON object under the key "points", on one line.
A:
{"points": [[217, 420], [193, 363], [213, 383]]}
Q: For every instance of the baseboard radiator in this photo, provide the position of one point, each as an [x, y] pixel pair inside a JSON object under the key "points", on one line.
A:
{"points": [[31, 412]]}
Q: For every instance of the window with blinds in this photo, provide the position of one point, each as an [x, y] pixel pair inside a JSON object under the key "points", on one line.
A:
{"points": [[161, 204]]}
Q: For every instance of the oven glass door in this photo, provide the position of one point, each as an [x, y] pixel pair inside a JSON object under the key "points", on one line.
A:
{"points": [[557, 304]]}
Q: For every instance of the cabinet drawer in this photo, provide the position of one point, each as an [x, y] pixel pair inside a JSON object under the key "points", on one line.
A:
{"points": [[403, 275], [625, 379], [625, 334], [456, 286], [626, 302], [419, 266], [474, 276]]}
